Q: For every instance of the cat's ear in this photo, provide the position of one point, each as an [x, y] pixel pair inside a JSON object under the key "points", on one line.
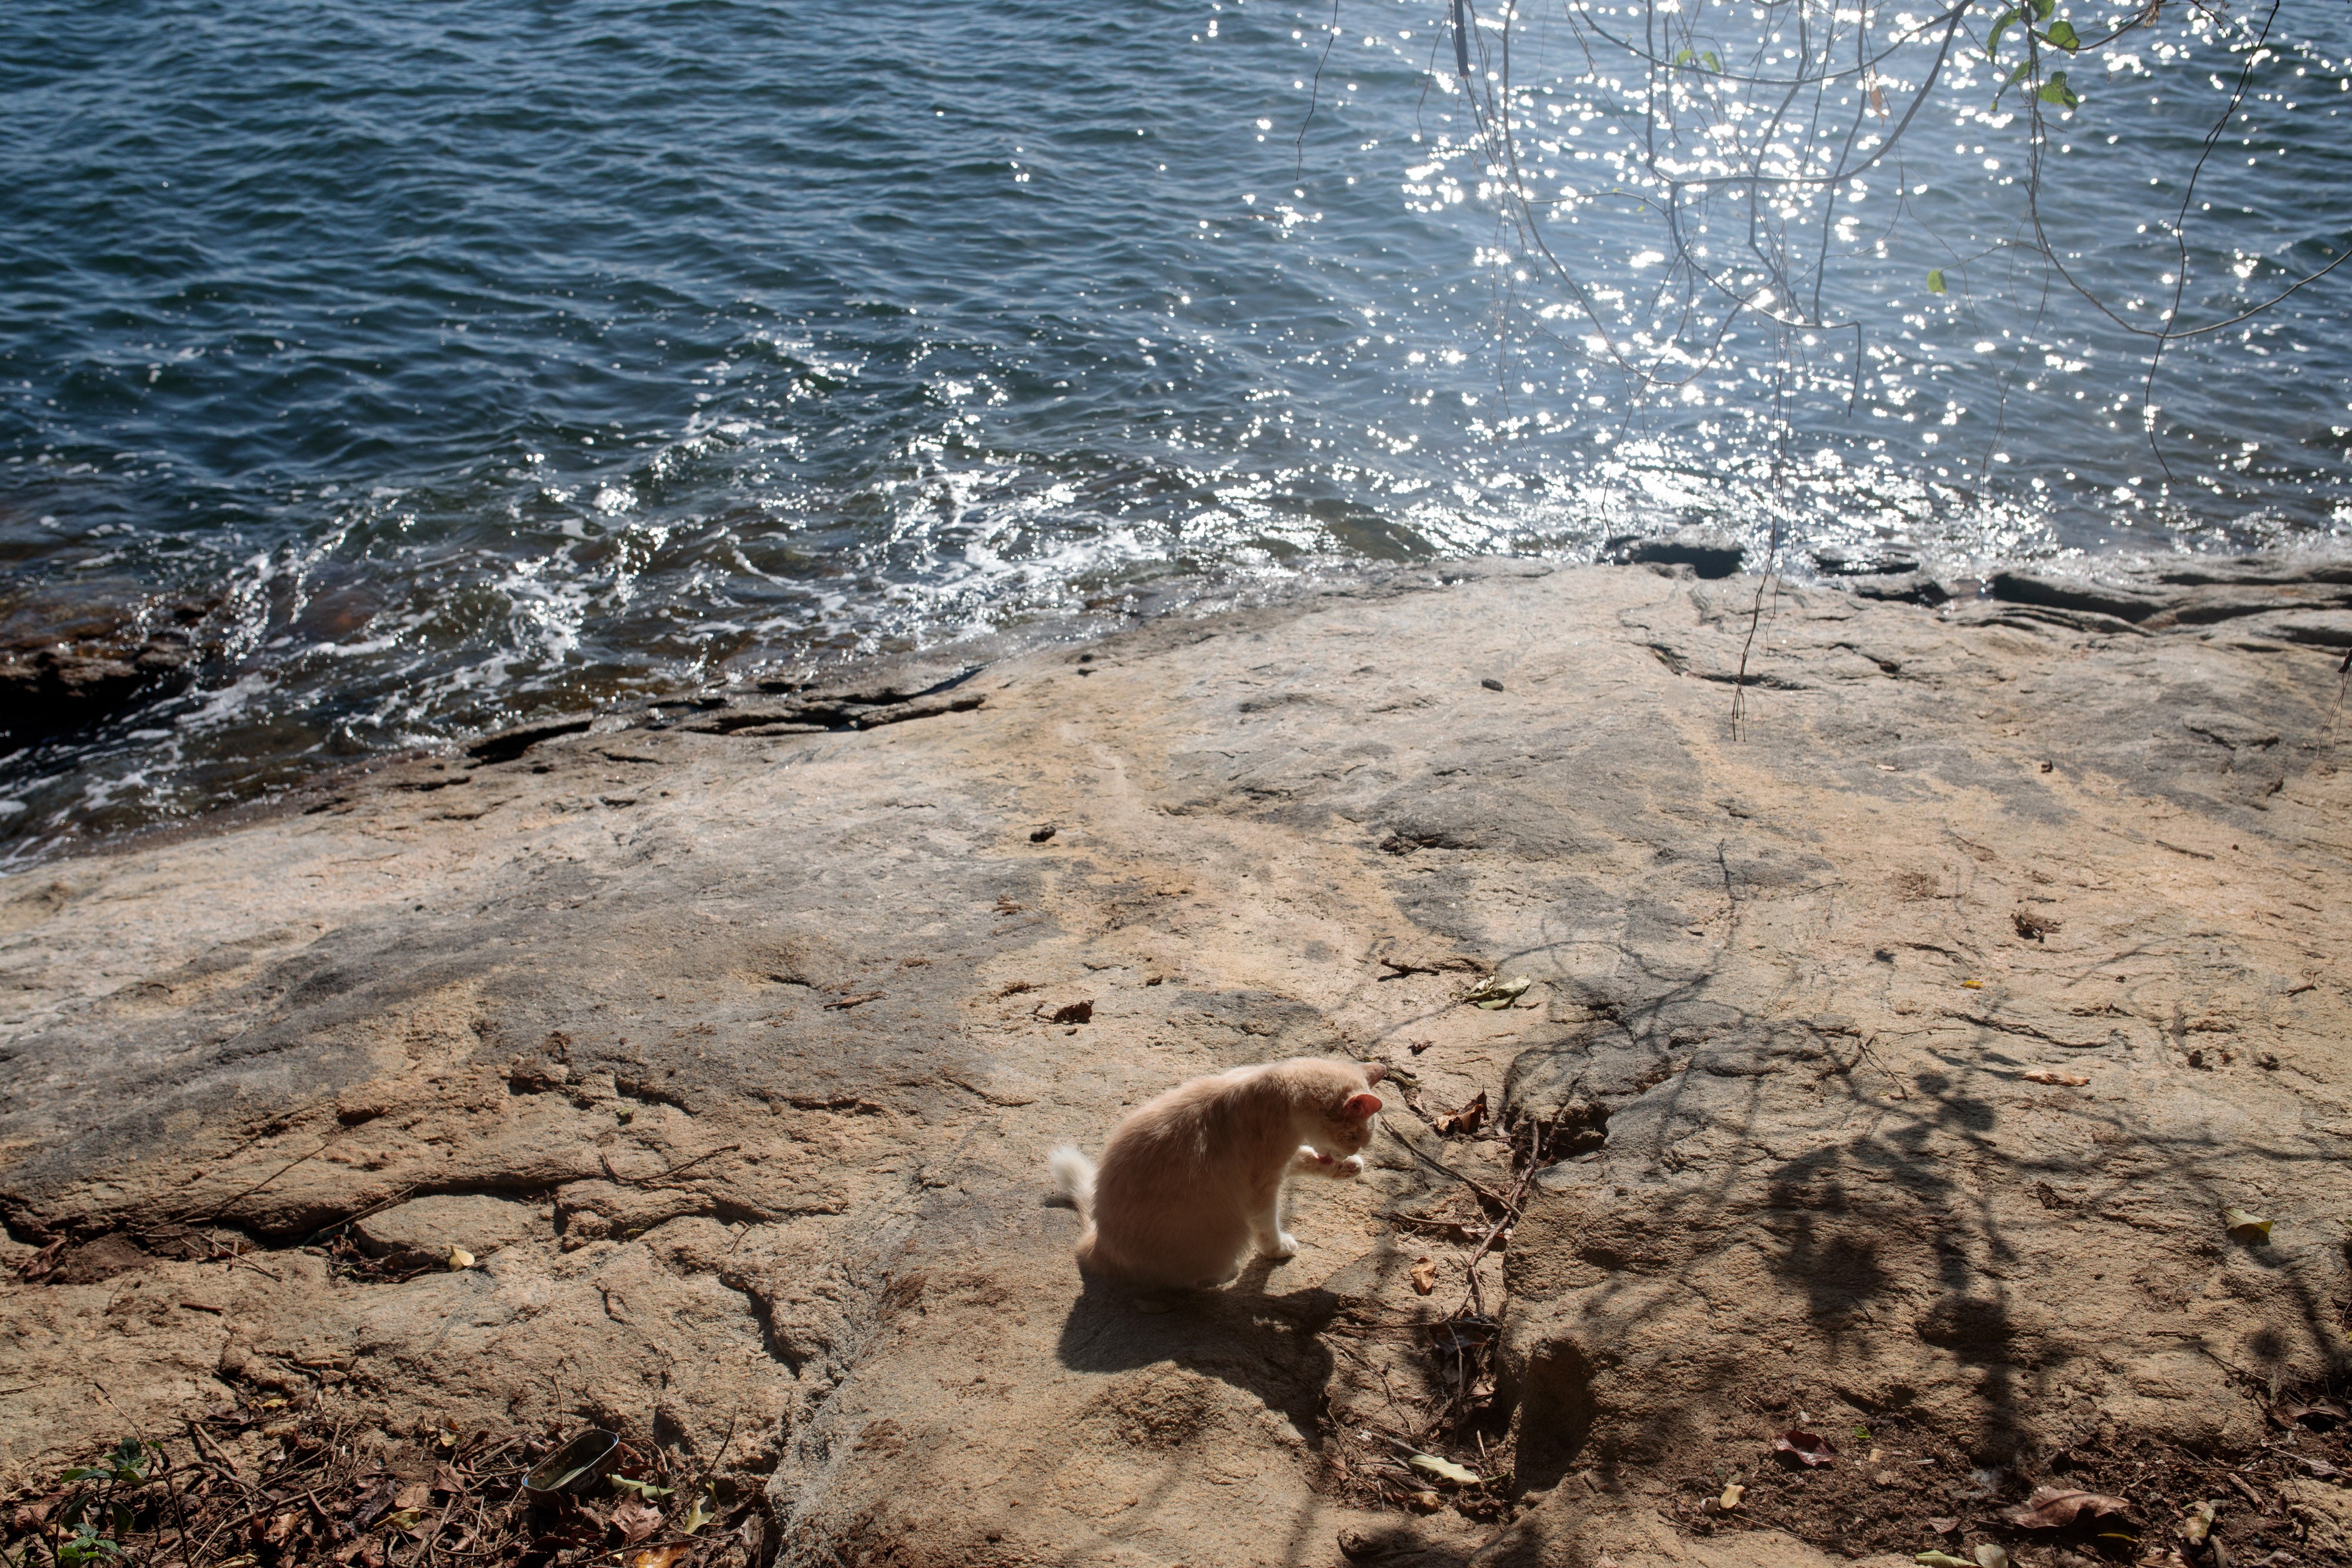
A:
{"points": [[1375, 1070], [1358, 1107]]}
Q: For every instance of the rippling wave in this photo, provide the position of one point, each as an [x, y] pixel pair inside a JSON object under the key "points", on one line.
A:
{"points": [[455, 362]]}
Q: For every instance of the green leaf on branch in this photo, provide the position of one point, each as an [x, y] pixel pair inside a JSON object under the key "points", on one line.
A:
{"points": [[2018, 75], [2062, 35], [2042, 9], [1685, 57], [2056, 90], [2000, 25], [1935, 281], [1713, 64]]}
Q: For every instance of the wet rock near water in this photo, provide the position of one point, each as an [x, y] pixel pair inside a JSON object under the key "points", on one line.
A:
{"points": [[1905, 587], [1709, 552], [1888, 560], [50, 691], [1883, 1061], [66, 667]]}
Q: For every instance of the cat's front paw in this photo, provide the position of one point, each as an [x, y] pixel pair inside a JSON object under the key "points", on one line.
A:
{"points": [[1347, 1169], [1286, 1245]]}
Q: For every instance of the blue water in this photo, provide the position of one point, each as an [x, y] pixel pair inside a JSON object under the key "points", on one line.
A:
{"points": [[466, 359]]}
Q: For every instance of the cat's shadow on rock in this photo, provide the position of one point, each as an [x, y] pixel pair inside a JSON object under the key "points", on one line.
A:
{"points": [[1266, 1344]]}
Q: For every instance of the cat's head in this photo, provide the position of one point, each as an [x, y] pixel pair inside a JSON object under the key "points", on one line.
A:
{"points": [[1349, 1110]]}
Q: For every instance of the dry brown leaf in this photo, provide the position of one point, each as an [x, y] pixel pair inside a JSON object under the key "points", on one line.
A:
{"points": [[2320, 1415], [1811, 1446], [2051, 1075], [1464, 1120], [447, 1478], [2053, 1508], [416, 1494], [1468, 1119], [634, 1520], [661, 1557], [1424, 1275]]}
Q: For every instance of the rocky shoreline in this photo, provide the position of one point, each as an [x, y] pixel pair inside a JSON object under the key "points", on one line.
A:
{"points": [[1890, 1056]]}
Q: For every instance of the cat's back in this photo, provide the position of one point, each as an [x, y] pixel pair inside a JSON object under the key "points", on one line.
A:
{"points": [[1182, 1119], [1195, 1133]]}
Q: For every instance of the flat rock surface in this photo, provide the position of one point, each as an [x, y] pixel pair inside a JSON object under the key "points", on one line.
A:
{"points": [[474, 1223], [1909, 992]]}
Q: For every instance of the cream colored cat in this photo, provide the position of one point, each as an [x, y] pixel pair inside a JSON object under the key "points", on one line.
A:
{"points": [[1190, 1181]]}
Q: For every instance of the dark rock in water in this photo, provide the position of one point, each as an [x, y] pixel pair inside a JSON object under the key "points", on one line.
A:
{"points": [[58, 689], [1710, 552], [65, 666], [1886, 560]]}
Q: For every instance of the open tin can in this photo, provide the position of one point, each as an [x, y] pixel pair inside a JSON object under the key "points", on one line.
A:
{"points": [[574, 1468]]}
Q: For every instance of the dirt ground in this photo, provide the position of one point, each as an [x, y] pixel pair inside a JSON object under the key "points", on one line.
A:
{"points": [[1941, 1057]]}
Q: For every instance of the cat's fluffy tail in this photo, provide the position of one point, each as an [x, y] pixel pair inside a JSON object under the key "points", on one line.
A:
{"points": [[1075, 1175]]}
